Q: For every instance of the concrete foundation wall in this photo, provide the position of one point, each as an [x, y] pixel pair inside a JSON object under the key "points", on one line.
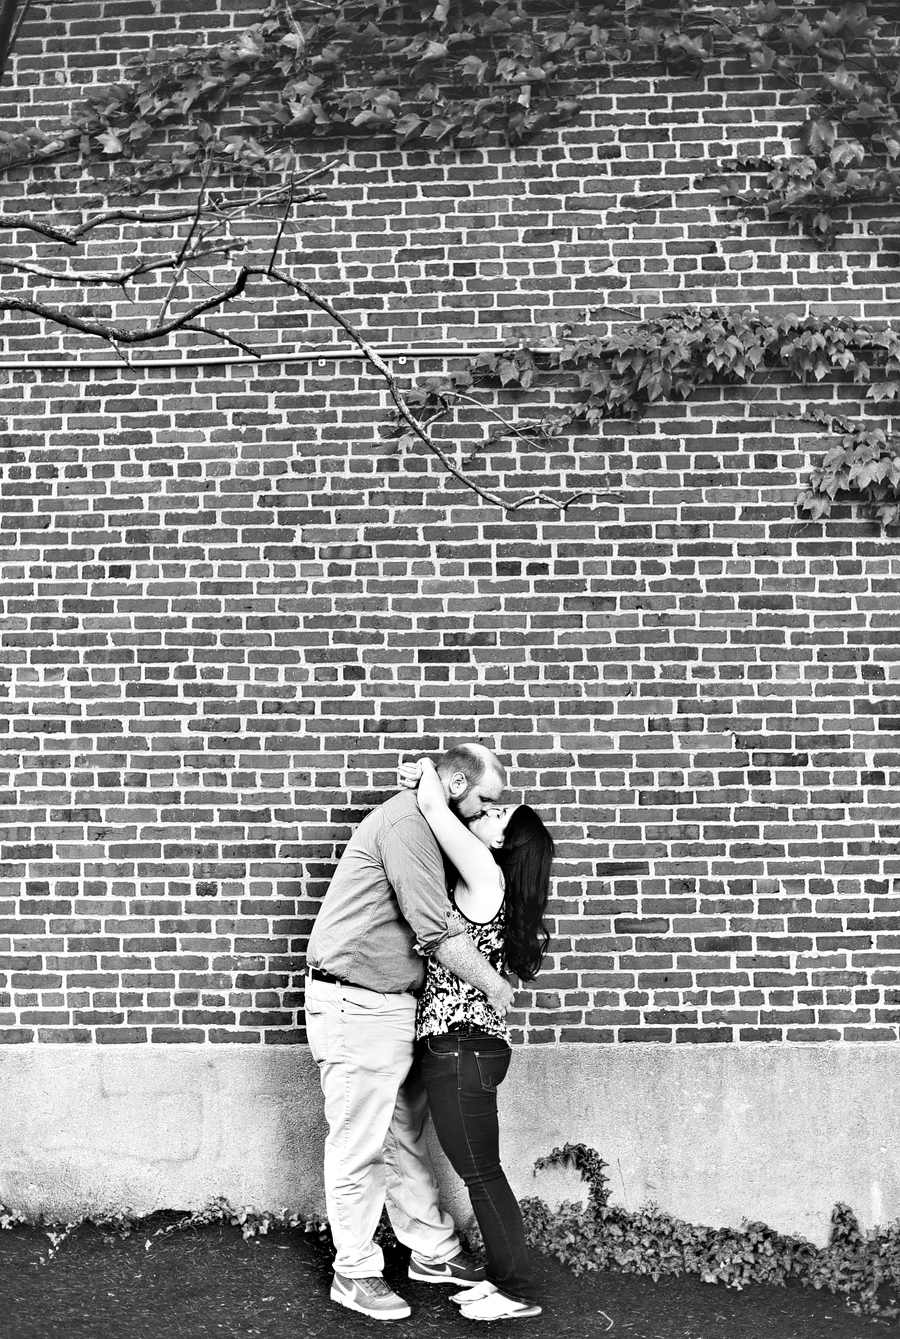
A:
{"points": [[711, 1134]]}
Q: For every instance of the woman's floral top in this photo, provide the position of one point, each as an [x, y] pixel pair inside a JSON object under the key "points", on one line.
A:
{"points": [[445, 999]]}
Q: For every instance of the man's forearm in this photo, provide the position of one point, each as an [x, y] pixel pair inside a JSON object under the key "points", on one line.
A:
{"points": [[460, 956]]}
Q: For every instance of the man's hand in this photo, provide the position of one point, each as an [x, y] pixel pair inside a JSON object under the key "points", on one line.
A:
{"points": [[502, 1001], [460, 956]]}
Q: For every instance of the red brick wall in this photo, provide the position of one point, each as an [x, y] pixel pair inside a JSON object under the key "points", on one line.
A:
{"points": [[228, 605]]}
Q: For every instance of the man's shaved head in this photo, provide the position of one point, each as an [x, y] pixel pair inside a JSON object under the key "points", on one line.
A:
{"points": [[473, 778]]}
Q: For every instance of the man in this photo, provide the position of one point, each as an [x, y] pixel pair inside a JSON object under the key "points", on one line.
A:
{"points": [[385, 911]]}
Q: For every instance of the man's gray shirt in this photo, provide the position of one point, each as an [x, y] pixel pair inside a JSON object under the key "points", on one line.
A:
{"points": [[387, 907]]}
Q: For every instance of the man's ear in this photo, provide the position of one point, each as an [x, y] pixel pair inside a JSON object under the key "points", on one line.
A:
{"points": [[457, 785]]}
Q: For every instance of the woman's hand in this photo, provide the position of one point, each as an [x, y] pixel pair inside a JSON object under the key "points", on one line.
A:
{"points": [[409, 774]]}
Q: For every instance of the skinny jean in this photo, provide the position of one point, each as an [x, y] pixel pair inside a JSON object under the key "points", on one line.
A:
{"points": [[461, 1074]]}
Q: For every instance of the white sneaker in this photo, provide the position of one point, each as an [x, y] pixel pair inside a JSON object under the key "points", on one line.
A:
{"points": [[371, 1296], [475, 1293], [497, 1307]]}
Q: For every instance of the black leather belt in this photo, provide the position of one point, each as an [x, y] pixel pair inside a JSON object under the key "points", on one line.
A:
{"points": [[318, 975]]}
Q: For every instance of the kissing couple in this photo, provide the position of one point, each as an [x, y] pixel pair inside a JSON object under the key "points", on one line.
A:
{"points": [[439, 894]]}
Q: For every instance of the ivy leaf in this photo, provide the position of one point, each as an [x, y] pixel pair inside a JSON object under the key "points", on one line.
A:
{"points": [[817, 136], [473, 68], [762, 58], [817, 506], [373, 118], [408, 128], [883, 390], [110, 141], [848, 151], [439, 129], [249, 46], [842, 80], [864, 475]]}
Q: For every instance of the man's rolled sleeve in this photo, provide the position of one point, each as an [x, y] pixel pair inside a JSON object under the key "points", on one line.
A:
{"points": [[416, 873]]}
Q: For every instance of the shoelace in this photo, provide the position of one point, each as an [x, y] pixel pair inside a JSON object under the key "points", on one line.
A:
{"points": [[374, 1287]]}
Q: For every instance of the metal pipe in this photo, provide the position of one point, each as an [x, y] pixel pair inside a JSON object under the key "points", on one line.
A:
{"points": [[305, 356]]}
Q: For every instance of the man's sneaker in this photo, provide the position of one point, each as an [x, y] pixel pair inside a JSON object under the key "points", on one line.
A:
{"points": [[371, 1296], [461, 1268]]}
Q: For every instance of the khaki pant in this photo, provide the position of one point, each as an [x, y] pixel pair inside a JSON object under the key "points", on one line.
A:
{"points": [[375, 1153]]}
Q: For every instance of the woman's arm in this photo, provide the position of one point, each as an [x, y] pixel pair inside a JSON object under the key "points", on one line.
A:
{"points": [[477, 867]]}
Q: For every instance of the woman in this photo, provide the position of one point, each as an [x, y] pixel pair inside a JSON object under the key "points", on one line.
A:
{"points": [[503, 859]]}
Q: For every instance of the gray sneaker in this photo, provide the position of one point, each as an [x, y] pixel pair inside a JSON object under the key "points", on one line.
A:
{"points": [[371, 1296]]}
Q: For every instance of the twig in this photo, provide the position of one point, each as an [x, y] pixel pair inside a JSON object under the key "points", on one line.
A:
{"points": [[197, 212], [281, 226], [223, 335], [511, 428], [120, 353], [179, 259], [651, 204]]}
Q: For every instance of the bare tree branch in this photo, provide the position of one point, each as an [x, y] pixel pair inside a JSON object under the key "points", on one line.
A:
{"points": [[117, 278], [10, 27], [415, 426], [71, 236], [117, 334], [207, 217]]}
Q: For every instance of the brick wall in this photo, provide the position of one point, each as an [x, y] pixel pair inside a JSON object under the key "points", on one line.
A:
{"points": [[228, 605]]}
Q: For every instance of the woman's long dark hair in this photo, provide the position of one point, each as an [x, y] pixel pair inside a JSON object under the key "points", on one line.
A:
{"points": [[525, 858]]}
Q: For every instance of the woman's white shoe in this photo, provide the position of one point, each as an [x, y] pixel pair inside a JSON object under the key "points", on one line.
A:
{"points": [[474, 1294], [497, 1307]]}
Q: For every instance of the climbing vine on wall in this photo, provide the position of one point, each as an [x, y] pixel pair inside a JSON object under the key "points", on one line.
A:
{"points": [[667, 359], [458, 73]]}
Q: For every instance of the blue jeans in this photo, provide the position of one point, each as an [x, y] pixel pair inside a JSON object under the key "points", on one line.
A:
{"points": [[461, 1076]]}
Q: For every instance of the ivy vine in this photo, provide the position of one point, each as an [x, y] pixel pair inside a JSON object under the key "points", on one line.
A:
{"points": [[621, 375], [461, 74], [455, 73], [863, 1267]]}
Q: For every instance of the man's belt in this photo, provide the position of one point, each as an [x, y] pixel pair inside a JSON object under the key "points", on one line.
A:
{"points": [[318, 975]]}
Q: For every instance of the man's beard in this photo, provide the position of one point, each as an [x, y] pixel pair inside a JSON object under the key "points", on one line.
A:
{"points": [[454, 808]]}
